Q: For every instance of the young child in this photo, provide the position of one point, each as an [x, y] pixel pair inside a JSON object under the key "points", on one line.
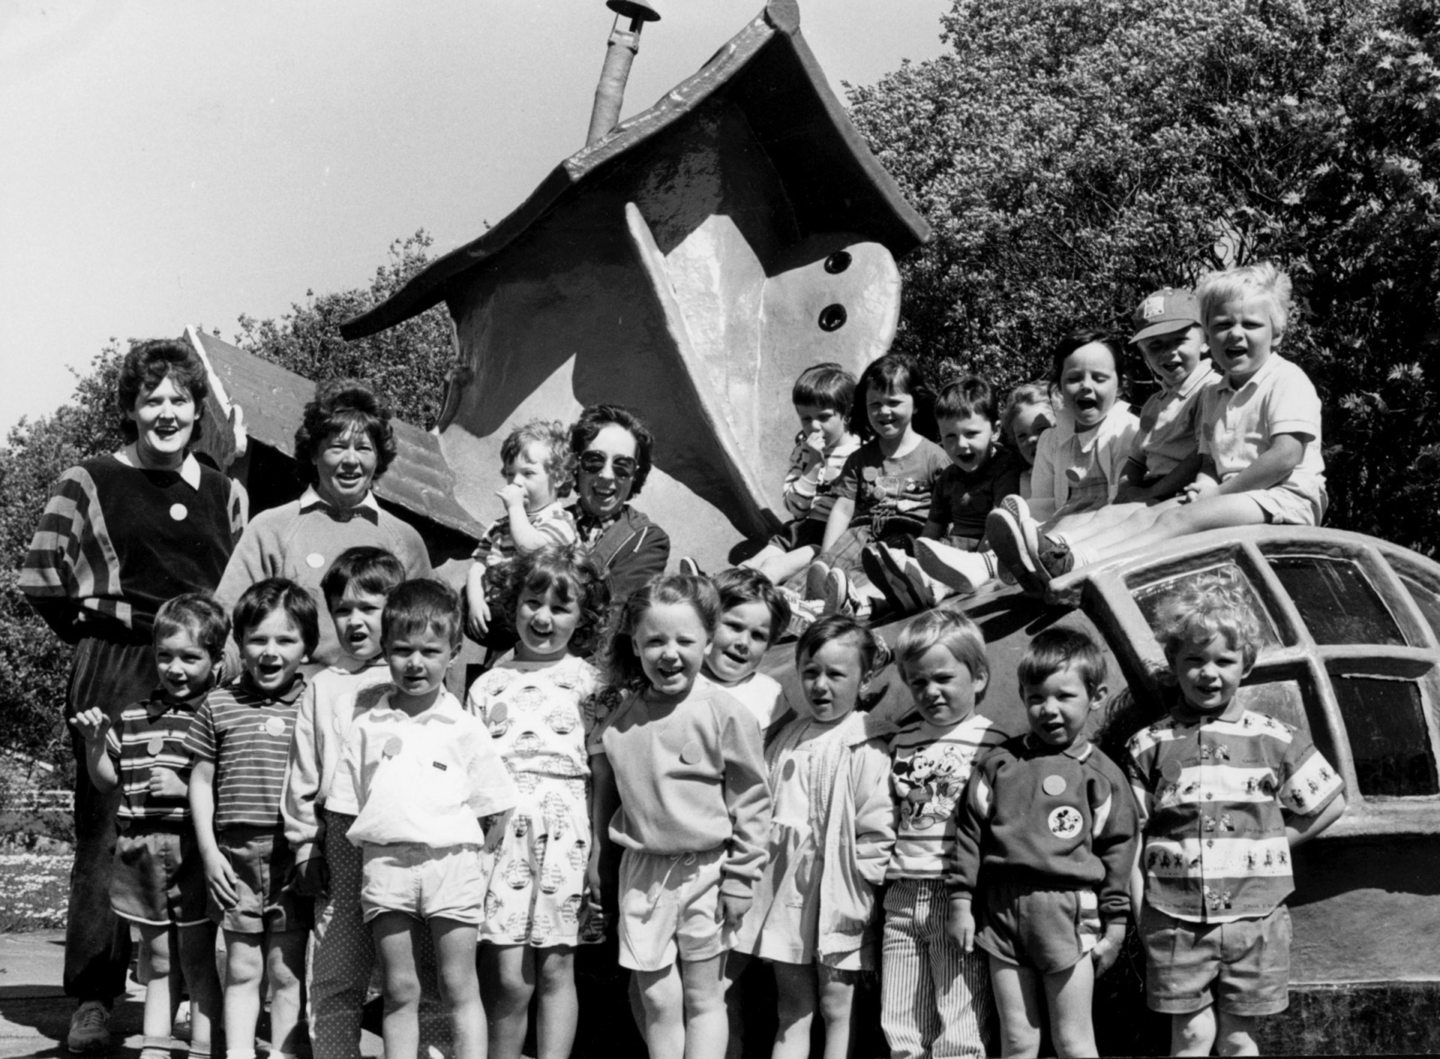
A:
{"points": [[823, 396], [832, 829], [1077, 462], [1046, 840], [981, 473], [419, 773], [1028, 414], [540, 706], [341, 955], [1224, 794], [685, 759], [538, 469], [240, 743], [936, 996], [884, 491], [753, 615], [159, 879], [1260, 453]]}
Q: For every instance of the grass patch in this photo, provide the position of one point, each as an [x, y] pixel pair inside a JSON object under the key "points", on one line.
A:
{"points": [[34, 889]]}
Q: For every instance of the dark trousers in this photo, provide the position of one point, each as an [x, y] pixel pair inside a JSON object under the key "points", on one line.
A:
{"points": [[97, 942]]}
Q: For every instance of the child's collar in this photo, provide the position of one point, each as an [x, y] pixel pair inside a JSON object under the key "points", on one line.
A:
{"points": [[1081, 749], [292, 691], [1184, 714]]}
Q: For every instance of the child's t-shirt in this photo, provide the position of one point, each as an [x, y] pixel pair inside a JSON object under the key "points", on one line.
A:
{"points": [[1169, 431], [963, 499], [929, 767], [247, 734], [1211, 793], [761, 695], [150, 735], [554, 520], [869, 477], [809, 490], [540, 714]]}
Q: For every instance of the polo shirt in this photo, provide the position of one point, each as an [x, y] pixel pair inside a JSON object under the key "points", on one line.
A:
{"points": [[150, 735], [1170, 423]]}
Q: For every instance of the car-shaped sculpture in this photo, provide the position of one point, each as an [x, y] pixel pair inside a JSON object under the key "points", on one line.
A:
{"points": [[1351, 655]]}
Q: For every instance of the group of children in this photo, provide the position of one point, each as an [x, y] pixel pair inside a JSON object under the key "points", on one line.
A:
{"points": [[366, 817]]}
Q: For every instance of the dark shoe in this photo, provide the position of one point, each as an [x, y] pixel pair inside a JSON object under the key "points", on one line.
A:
{"points": [[1055, 557], [89, 1029], [884, 574], [836, 597]]}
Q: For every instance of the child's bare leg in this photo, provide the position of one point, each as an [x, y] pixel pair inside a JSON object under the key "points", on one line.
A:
{"points": [[1193, 1033], [244, 965], [455, 957], [1068, 994], [735, 964], [285, 962], [159, 998], [796, 988], [559, 1008], [1087, 525], [662, 1000], [837, 1001], [1017, 997], [703, 987], [1236, 1034], [197, 961], [509, 980], [1146, 529], [779, 565], [400, 1028]]}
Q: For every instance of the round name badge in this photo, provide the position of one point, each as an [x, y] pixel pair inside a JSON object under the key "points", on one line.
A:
{"points": [[315, 560], [393, 746], [274, 726], [691, 753], [179, 512], [156, 744], [1053, 785]]}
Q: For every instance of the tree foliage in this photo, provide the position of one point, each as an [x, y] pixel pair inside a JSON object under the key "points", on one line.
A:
{"points": [[1073, 155]]}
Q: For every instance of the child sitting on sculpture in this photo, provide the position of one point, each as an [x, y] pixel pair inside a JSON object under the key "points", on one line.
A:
{"points": [[1028, 414]]}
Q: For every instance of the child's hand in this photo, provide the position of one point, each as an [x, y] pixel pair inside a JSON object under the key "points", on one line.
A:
{"points": [[165, 783], [592, 880], [511, 495], [815, 445], [961, 924], [312, 878], [1200, 488], [477, 622], [732, 910], [1107, 949], [92, 724], [220, 880]]}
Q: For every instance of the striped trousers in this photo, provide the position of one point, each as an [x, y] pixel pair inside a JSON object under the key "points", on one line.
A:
{"points": [[934, 997]]}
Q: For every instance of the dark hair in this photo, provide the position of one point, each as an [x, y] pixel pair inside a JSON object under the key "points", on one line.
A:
{"points": [[622, 664], [365, 568], [199, 615], [951, 630], [341, 406], [150, 363], [826, 385], [894, 373], [559, 461], [1083, 337], [874, 653], [599, 416], [263, 598], [421, 605], [740, 585], [966, 397], [569, 572], [1060, 648]]}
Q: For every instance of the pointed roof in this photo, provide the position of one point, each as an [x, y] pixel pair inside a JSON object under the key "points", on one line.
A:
{"points": [[769, 72]]}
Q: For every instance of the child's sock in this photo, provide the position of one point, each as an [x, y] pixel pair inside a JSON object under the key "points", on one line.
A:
{"points": [[239, 1053]]}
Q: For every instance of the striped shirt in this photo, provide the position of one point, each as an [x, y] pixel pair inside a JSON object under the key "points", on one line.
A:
{"points": [[247, 735], [928, 770], [554, 521], [116, 541], [150, 735], [1212, 793]]}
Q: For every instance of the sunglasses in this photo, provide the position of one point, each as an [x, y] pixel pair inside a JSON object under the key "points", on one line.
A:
{"points": [[621, 467]]}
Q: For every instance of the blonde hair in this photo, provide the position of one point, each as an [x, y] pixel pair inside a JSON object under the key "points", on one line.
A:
{"points": [[1235, 284], [951, 630], [1209, 606]]}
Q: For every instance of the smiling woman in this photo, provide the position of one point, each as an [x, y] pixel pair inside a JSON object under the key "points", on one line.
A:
{"points": [[344, 442]]}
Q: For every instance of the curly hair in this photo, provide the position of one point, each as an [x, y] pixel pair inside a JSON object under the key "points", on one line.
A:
{"points": [[622, 664], [554, 438], [599, 416], [568, 571], [1201, 609], [150, 363], [339, 407]]}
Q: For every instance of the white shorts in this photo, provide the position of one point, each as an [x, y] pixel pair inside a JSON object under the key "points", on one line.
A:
{"points": [[426, 882], [669, 906], [1287, 507]]}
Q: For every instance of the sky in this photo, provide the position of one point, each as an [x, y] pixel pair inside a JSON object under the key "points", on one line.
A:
{"points": [[169, 163]]}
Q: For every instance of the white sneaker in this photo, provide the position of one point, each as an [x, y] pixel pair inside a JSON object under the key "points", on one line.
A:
{"points": [[961, 570], [89, 1029]]}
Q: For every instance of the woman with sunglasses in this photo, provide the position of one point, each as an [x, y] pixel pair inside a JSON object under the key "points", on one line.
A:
{"points": [[612, 456]]}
